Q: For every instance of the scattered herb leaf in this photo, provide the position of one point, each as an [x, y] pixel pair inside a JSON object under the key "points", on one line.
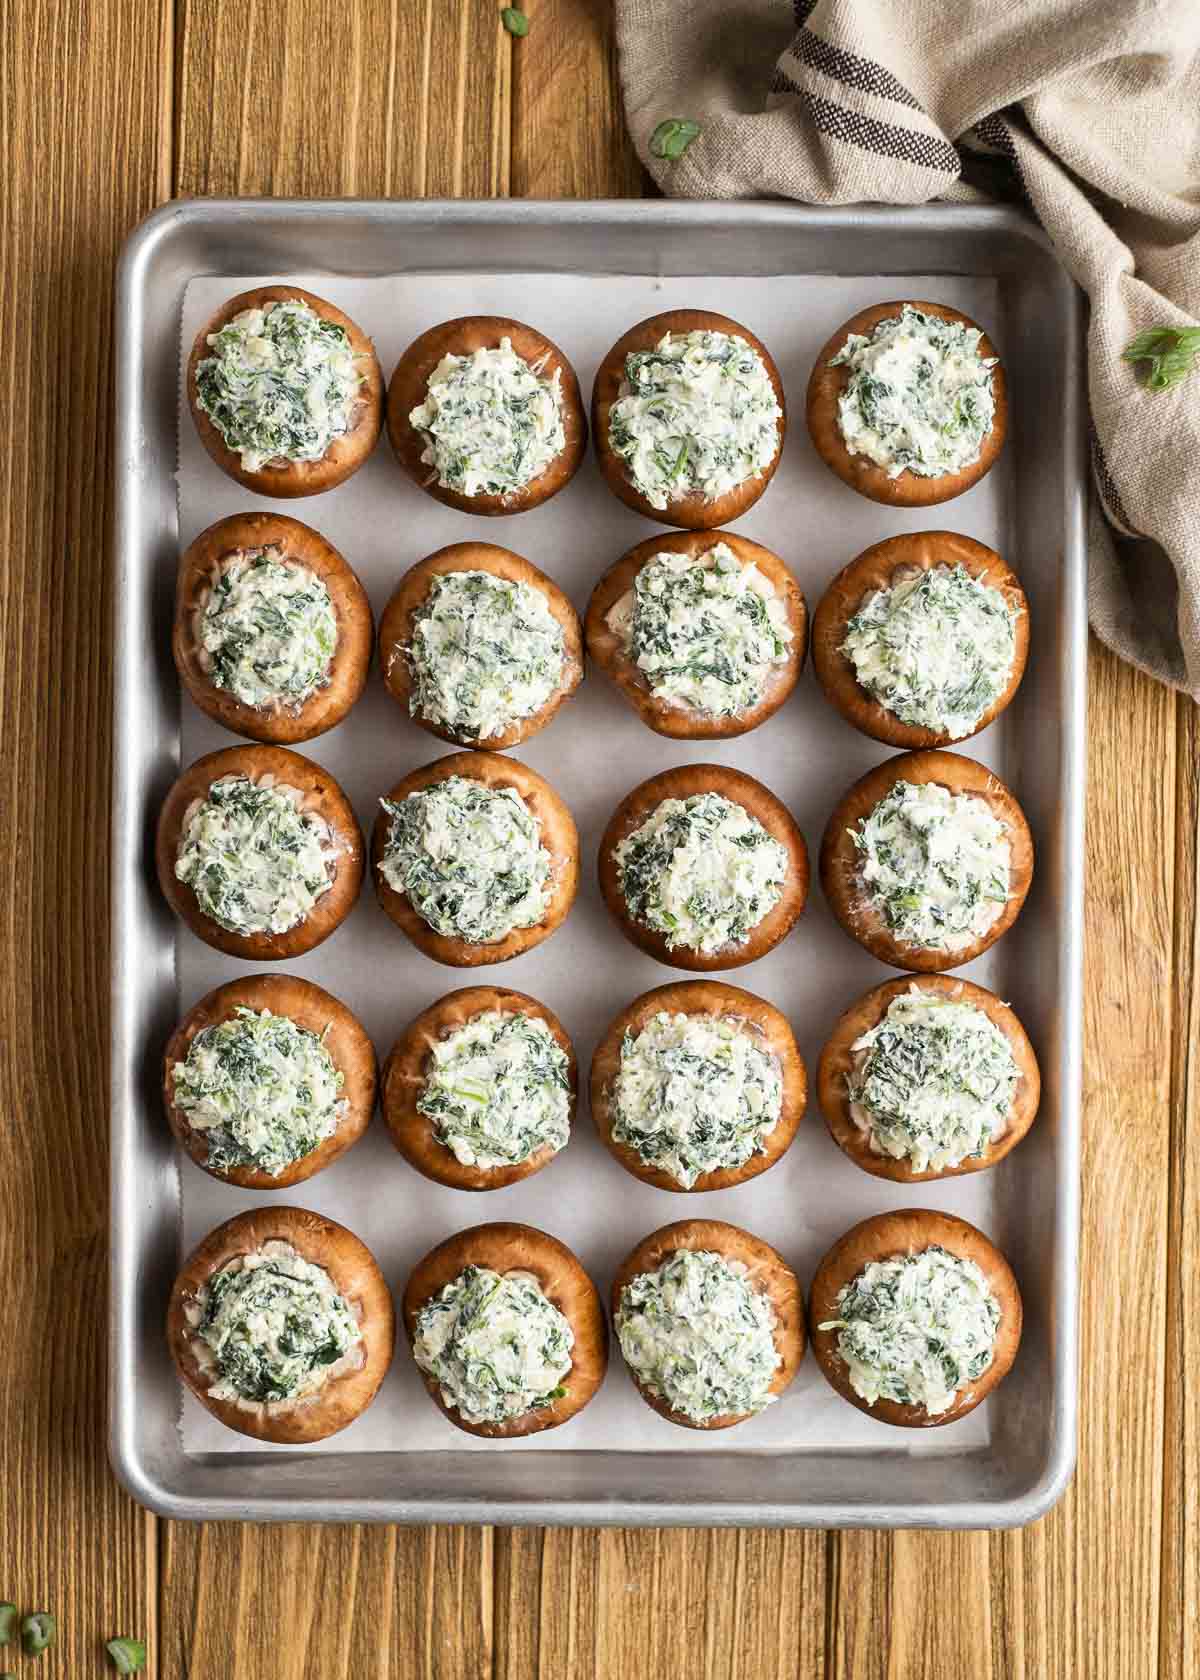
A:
{"points": [[1171, 352], [673, 137], [128, 1655], [38, 1632], [8, 1617], [514, 20]]}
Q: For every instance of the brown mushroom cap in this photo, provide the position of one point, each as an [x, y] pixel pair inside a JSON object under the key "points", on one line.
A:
{"points": [[840, 875], [837, 1060], [396, 631], [506, 1247], [826, 385], [875, 569], [558, 833], [637, 807], [769, 1274], [404, 1076], [345, 454], [720, 1002], [321, 795], [316, 1010], [694, 511], [199, 569], [888, 1236], [463, 337], [354, 1274], [662, 715]]}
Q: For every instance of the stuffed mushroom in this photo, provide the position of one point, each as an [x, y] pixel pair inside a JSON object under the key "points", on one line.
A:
{"points": [[281, 1325], [259, 851], [688, 416], [907, 403], [273, 630], [285, 391], [507, 1330], [703, 633]]}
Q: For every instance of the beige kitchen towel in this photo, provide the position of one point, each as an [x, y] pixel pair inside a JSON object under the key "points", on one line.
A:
{"points": [[1087, 110]]}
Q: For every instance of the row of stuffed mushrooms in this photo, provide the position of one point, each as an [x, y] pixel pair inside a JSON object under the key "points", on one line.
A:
{"points": [[694, 1086], [919, 641], [925, 861], [283, 1326], [906, 404]]}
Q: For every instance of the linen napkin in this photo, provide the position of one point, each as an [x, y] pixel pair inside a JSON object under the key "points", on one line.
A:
{"points": [[1088, 111]]}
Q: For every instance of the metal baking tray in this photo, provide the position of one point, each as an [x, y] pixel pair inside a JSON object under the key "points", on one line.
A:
{"points": [[1026, 1462]]}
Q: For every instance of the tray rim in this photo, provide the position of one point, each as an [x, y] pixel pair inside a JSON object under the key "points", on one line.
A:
{"points": [[126, 1262]]}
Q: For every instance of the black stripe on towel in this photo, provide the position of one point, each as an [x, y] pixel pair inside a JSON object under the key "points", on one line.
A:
{"points": [[884, 139], [861, 73], [1110, 496]]}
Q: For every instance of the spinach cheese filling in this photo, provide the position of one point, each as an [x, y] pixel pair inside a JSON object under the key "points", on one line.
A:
{"points": [[916, 1329], [497, 1090], [494, 1344], [701, 871], [267, 630], [934, 865], [485, 653], [705, 631], [933, 1083], [920, 396], [697, 414], [491, 422], [272, 1326], [469, 859], [281, 384], [697, 1334], [263, 1091], [256, 862], [694, 1095], [935, 648]]}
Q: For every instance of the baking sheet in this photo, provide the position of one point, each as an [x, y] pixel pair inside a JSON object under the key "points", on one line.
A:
{"points": [[593, 753]]}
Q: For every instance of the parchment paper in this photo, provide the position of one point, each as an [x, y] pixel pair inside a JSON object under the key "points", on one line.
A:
{"points": [[593, 753]]}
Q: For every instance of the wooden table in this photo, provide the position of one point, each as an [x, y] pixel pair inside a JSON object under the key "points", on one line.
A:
{"points": [[108, 109]]}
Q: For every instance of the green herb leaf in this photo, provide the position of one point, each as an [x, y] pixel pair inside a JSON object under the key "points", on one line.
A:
{"points": [[514, 20], [673, 137], [128, 1655], [38, 1632], [1171, 352], [8, 1617]]}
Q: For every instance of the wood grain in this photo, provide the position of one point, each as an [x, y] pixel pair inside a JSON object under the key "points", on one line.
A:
{"points": [[70, 1542], [1179, 1633], [376, 98]]}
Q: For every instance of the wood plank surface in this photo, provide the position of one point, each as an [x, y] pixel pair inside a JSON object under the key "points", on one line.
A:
{"points": [[70, 1542], [375, 98]]}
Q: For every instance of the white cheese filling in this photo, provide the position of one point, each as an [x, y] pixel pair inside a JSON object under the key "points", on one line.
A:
{"points": [[498, 1089], [936, 648], [702, 872], [264, 1091], [267, 630], [281, 384], [495, 1344], [706, 631], [469, 859], [485, 653], [920, 396], [256, 861], [933, 1082], [694, 1094], [697, 1334], [917, 1329], [491, 422], [934, 865], [271, 1326], [697, 414]]}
